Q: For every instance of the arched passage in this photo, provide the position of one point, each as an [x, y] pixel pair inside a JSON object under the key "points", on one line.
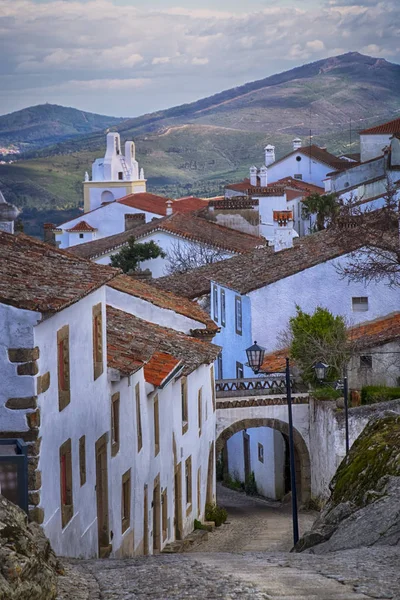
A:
{"points": [[303, 468]]}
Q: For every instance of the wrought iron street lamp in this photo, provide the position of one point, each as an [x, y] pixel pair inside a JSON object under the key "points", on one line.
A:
{"points": [[255, 356], [321, 369]]}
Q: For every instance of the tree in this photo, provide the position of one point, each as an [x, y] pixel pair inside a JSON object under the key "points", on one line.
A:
{"points": [[318, 337], [183, 257], [129, 257], [376, 236], [325, 207]]}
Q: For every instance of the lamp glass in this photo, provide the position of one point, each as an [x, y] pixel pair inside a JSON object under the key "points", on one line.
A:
{"points": [[255, 357]]}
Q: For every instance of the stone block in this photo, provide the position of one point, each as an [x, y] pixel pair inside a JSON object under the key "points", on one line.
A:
{"points": [[33, 419], [23, 355], [34, 498], [34, 447], [43, 383], [34, 478], [21, 403], [29, 368], [36, 514]]}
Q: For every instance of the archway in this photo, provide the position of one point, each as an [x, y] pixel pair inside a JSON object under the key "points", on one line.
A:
{"points": [[106, 197], [303, 466]]}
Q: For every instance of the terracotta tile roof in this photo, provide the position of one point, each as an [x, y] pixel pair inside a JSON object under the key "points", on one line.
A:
{"points": [[147, 202], [388, 127], [163, 299], [289, 184], [81, 227], [159, 368], [297, 184], [189, 204], [369, 334], [375, 333], [39, 277], [182, 225], [318, 154], [272, 189], [254, 270], [133, 342]]}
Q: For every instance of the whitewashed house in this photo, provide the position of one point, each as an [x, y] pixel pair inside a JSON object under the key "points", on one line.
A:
{"points": [[179, 230], [110, 383]]}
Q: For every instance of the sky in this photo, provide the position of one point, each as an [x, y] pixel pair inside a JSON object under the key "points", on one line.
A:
{"points": [[127, 58]]}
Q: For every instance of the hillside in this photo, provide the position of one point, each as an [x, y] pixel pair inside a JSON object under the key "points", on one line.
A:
{"points": [[198, 147], [47, 124]]}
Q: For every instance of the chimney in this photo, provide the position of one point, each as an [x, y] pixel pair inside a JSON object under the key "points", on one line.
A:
{"points": [[283, 229], [296, 143], [263, 177], [145, 275], [253, 176], [169, 208], [8, 214], [133, 220], [269, 155], [48, 234]]}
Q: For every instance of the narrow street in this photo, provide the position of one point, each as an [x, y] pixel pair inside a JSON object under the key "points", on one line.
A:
{"points": [[247, 558]]}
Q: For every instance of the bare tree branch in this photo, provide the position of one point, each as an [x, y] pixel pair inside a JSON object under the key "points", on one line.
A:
{"points": [[184, 257]]}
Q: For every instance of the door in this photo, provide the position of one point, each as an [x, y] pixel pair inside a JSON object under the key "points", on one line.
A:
{"points": [[210, 476], [104, 545], [145, 521], [156, 518], [178, 502], [246, 452]]}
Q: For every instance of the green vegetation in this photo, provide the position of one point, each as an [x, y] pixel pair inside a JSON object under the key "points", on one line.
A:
{"points": [[199, 525], [250, 486], [326, 393], [374, 455], [129, 257], [370, 394], [216, 513], [326, 208], [320, 337], [233, 483]]}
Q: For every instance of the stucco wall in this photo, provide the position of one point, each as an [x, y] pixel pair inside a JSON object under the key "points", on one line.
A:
{"points": [[311, 170], [385, 367], [357, 175], [373, 145], [16, 331]]}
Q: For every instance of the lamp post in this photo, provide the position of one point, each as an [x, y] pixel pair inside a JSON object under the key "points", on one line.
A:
{"points": [[255, 357], [321, 369]]}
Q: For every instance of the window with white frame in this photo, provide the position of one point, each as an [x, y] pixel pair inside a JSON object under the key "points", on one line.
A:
{"points": [[220, 367], [215, 303], [238, 315], [223, 309], [359, 303]]}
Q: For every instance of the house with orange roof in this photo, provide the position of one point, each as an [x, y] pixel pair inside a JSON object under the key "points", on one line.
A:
{"points": [[110, 383]]}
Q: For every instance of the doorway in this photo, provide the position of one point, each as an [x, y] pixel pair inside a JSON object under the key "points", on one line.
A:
{"points": [[246, 454], [145, 522], [104, 546], [178, 502], [156, 516]]}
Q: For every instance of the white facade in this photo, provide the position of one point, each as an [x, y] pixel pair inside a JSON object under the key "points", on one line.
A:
{"points": [[373, 145], [301, 167]]}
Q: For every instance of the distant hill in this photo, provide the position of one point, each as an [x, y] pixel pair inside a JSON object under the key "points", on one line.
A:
{"points": [[48, 124], [196, 148]]}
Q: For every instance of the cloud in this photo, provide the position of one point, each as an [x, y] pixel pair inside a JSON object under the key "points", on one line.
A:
{"points": [[78, 47]]}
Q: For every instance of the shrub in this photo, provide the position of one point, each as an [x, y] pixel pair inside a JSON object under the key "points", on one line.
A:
{"points": [[216, 513], [250, 486], [233, 483], [379, 393], [199, 525], [326, 393]]}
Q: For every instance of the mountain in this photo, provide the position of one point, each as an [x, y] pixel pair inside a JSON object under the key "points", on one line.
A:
{"points": [[196, 148], [46, 124]]}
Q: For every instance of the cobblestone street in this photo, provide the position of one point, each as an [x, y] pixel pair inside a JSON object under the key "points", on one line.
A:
{"points": [[247, 558]]}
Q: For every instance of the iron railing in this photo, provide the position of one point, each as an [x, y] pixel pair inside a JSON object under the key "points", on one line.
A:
{"points": [[274, 384]]}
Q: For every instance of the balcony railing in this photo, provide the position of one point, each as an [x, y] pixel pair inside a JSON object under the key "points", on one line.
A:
{"points": [[274, 384]]}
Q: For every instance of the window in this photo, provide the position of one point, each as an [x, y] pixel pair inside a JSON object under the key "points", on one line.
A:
{"points": [[238, 315], [164, 515], [359, 303], [97, 341], [138, 418], [298, 158], [156, 427], [260, 452], [126, 501], [188, 480], [298, 176], [120, 175], [366, 361], [67, 509], [115, 424], [215, 303], [199, 491], [239, 370], [82, 460], [81, 236], [200, 408], [220, 367], [184, 403], [212, 387], [223, 309], [64, 392]]}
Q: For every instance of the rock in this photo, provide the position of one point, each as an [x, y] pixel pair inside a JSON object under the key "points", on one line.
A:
{"points": [[340, 403], [363, 509], [28, 565]]}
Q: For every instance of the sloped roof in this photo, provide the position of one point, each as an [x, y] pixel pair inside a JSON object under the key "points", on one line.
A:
{"points": [[133, 342], [39, 277], [318, 154], [189, 204], [168, 300], [254, 270], [275, 362], [81, 227], [182, 225], [159, 368], [388, 127], [158, 204], [286, 184]]}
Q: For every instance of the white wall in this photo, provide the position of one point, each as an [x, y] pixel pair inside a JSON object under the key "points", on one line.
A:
{"points": [[289, 167], [269, 475], [316, 286], [357, 175], [150, 312], [235, 453], [385, 367], [16, 331], [372, 146]]}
